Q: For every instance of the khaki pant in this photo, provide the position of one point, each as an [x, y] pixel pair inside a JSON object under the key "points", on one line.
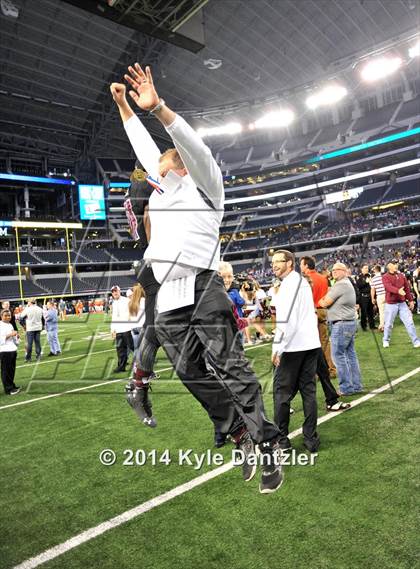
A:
{"points": [[324, 338], [380, 303]]}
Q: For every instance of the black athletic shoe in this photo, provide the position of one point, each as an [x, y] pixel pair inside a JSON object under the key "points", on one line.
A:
{"points": [[118, 370], [14, 391], [249, 464], [138, 399], [272, 474], [219, 439], [312, 445]]}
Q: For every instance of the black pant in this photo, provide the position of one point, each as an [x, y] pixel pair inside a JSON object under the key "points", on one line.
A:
{"points": [[296, 372], [124, 343], [32, 337], [366, 312], [149, 343], [202, 342], [8, 368], [322, 371]]}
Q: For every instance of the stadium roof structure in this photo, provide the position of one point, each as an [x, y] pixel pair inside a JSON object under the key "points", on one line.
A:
{"points": [[211, 60]]}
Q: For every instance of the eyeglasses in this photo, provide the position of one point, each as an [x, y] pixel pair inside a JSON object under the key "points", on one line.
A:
{"points": [[279, 261]]}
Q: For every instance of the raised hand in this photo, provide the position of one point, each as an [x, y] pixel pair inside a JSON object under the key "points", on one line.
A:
{"points": [[118, 93], [143, 90]]}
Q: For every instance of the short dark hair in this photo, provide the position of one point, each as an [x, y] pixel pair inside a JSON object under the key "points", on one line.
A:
{"points": [[5, 311], [174, 154], [309, 262], [288, 254], [377, 268]]}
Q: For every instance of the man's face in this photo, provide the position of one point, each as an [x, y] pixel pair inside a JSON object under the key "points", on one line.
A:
{"points": [[339, 273], [280, 265], [167, 163], [5, 305], [365, 270], [227, 277], [116, 294], [6, 316], [303, 267], [392, 267]]}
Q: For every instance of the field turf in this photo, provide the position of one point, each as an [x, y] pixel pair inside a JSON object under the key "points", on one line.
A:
{"points": [[356, 507]]}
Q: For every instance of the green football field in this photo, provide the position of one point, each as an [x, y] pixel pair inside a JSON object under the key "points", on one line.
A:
{"points": [[355, 507]]}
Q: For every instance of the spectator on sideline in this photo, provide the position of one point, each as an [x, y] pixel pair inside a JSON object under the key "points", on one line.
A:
{"points": [[319, 287], [121, 328], [32, 316], [51, 327], [397, 291], [136, 302], [252, 310], [377, 290], [272, 293], [341, 303], [189, 186], [5, 305], [9, 339], [296, 347], [319, 290], [416, 284], [366, 306], [226, 272], [261, 297], [62, 309]]}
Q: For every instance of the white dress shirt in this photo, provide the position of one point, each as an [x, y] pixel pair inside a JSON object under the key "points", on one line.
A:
{"points": [[120, 316], [296, 320], [184, 228]]}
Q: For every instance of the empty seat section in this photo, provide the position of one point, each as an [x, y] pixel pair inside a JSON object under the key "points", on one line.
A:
{"points": [[409, 109], [376, 119]]}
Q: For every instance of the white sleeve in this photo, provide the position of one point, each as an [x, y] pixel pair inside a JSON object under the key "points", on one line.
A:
{"points": [[143, 145], [198, 160], [286, 315]]}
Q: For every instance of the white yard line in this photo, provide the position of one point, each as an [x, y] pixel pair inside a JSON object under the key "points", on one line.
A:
{"points": [[108, 382], [100, 529]]}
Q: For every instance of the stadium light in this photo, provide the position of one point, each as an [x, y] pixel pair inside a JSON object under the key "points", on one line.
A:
{"points": [[327, 96], [275, 119], [414, 51], [230, 128], [380, 67]]}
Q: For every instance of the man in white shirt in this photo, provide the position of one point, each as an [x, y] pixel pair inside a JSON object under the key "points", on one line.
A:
{"points": [[121, 328], [195, 321], [377, 291], [32, 317], [295, 350]]}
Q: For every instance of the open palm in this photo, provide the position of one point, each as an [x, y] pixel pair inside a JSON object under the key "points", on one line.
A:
{"points": [[143, 90]]}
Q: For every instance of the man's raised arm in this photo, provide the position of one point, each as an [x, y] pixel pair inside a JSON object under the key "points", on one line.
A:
{"points": [[197, 157], [143, 144]]}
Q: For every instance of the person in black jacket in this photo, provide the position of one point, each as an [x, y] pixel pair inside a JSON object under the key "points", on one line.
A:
{"points": [[136, 206], [365, 300]]}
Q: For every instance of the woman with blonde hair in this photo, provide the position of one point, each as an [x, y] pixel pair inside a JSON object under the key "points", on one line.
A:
{"points": [[136, 312]]}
